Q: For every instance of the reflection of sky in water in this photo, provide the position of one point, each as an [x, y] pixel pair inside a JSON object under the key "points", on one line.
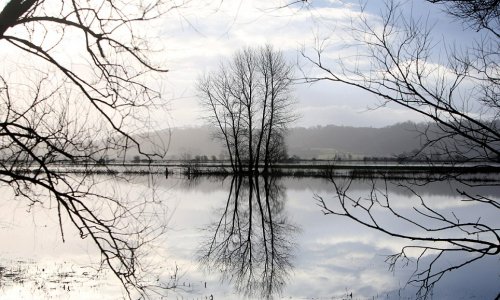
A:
{"points": [[36, 264], [333, 256]]}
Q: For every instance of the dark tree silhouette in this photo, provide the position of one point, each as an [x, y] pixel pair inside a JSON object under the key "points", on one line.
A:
{"points": [[251, 242], [249, 100], [396, 60], [480, 14], [75, 87]]}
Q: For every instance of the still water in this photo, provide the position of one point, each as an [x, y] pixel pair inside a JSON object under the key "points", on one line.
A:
{"points": [[249, 238]]}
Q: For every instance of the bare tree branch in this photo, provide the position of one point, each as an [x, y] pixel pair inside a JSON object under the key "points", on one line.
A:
{"points": [[82, 91]]}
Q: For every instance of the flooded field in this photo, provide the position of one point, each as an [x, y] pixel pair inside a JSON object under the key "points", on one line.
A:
{"points": [[247, 238]]}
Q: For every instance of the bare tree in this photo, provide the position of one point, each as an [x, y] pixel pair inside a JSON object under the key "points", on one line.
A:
{"points": [[276, 74], [75, 87], [248, 99], [396, 63], [396, 59]]}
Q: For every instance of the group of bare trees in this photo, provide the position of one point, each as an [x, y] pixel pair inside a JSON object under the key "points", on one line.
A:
{"points": [[75, 85], [248, 100], [398, 60], [79, 104]]}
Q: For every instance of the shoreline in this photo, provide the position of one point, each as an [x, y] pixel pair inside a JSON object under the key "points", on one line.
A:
{"points": [[434, 171]]}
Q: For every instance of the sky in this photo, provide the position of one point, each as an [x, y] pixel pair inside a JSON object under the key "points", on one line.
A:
{"points": [[200, 34]]}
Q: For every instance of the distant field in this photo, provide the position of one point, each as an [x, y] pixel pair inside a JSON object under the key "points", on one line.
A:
{"points": [[358, 169]]}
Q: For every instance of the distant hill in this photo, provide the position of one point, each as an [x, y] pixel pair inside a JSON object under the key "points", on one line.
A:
{"points": [[320, 142], [328, 141]]}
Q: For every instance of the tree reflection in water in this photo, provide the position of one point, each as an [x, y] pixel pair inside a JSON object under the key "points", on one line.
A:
{"points": [[440, 238], [252, 241]]}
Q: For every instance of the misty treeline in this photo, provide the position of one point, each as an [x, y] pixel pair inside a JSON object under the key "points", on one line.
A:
{"points": [[248, 98]]}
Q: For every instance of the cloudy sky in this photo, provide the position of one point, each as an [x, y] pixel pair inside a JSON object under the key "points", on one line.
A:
{"points": [[200, 34]]}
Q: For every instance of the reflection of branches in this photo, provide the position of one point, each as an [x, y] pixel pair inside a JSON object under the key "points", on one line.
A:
{"points": [[435, 232], [122, 228], [250, 243], [397, 60]]}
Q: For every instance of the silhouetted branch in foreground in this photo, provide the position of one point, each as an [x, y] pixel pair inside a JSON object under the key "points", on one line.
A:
{"points": [[78, 88]]}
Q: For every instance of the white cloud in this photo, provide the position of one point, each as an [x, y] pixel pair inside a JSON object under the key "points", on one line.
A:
{"points": [[195, 36], [203, 35]]}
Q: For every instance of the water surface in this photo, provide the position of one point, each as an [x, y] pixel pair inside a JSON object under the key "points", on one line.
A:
{"points": [[239, 238]]}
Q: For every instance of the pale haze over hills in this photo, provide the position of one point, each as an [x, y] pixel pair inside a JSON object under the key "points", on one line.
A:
{"points": [[321, 142]]}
